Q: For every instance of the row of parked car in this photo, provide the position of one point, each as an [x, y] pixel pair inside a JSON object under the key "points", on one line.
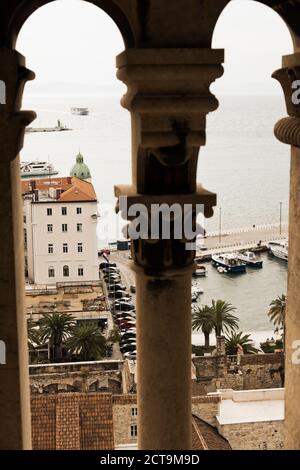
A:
{"points": [[122, 308]]}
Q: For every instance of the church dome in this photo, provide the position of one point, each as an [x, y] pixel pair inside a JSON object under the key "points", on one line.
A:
{"points": [[80, 169]]}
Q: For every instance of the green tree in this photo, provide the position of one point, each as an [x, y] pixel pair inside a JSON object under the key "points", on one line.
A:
{"points": [[87, 342], [224, 320], [233, 340], [55, 329], [276, 314], [202, 319]]}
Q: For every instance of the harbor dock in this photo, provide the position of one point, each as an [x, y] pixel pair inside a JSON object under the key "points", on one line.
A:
{"points": [[254, 238]]}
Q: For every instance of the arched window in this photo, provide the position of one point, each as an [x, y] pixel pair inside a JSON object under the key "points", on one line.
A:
{"points": [[51, 271], [66, 271], [2, 92]]}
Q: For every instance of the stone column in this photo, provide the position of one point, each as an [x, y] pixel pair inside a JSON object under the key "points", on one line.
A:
{"points": [[288, 131], [168, 97], [15, 429]]}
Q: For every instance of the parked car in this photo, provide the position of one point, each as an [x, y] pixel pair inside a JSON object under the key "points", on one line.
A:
{"points": [[127, 336], [117, 287], [114, 279], [111, 271], [131, 355], [124, 306], [129, 348], [126, 326], [118, 294], [107, 265]]}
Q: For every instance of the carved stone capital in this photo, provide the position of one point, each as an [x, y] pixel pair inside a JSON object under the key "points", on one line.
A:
{"points": [[168, 96], [13, 76], [165, 254], [287, 130]]}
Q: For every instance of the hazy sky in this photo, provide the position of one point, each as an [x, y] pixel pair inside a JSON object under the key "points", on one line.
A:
{"points": [[71, 45]]}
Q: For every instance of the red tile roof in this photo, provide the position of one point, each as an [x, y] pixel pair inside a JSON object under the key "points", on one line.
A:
{"points": [[72, 421], [72, 189], [84, 421]]}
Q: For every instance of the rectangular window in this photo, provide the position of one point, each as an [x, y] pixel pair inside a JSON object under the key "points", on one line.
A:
{"points": [[24, 219], [79, 210], [65, 248], [134, 411], [50, 249], [51, 272], [50, 228], [133, 430], [79, 227], [80, 272], [25, 235], [64, 211], [80, 248], [64, 227], [49, 211]]}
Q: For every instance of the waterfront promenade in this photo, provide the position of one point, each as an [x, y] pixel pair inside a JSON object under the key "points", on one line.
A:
{"points": [[240, 239]]}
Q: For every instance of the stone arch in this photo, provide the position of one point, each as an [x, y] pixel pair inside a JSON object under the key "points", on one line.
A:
{"points": [[28, 7], [288, 19]]}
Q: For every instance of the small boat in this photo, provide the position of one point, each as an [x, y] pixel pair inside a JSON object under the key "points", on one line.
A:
{"points": [[229, 263], [200, 271], [250, 259], [279, 249], [37, 168], [80, 111]]}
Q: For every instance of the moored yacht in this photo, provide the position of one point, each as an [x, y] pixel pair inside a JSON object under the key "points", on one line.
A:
{"points": [[279, 249], [228, 263], [250, 259]]}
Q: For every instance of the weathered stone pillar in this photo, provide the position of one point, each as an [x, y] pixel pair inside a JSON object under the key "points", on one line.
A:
{"points": [[15, 429], [169, 98], [288, 131]]}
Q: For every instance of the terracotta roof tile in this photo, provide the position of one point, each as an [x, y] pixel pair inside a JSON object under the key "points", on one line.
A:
{"points": [[73, 189], [72, 421], [206, 437]]}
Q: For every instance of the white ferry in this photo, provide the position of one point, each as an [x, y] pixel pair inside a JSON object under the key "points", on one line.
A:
{"points": [[37, 168], [80, 111]]}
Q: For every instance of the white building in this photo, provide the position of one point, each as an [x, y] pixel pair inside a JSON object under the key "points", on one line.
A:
{"points": [[60, 226]]}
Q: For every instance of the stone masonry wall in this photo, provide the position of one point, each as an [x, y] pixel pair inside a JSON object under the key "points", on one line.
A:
{"points": [[123, 419], [206, 408], [255, 371], [266, 435]]}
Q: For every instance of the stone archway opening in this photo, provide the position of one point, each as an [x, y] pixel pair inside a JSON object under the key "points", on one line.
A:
{"points": [[74, 67], [243, 162]]}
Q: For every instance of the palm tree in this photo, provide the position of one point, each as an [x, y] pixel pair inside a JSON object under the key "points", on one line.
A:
{"points": [[234, 340], [202, 320], [56, 328], [33, 334], [223, 319], [276, 314], [87, 342]]}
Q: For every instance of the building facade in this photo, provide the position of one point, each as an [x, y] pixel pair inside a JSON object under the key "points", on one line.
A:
{"points": [[60, 228]]}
